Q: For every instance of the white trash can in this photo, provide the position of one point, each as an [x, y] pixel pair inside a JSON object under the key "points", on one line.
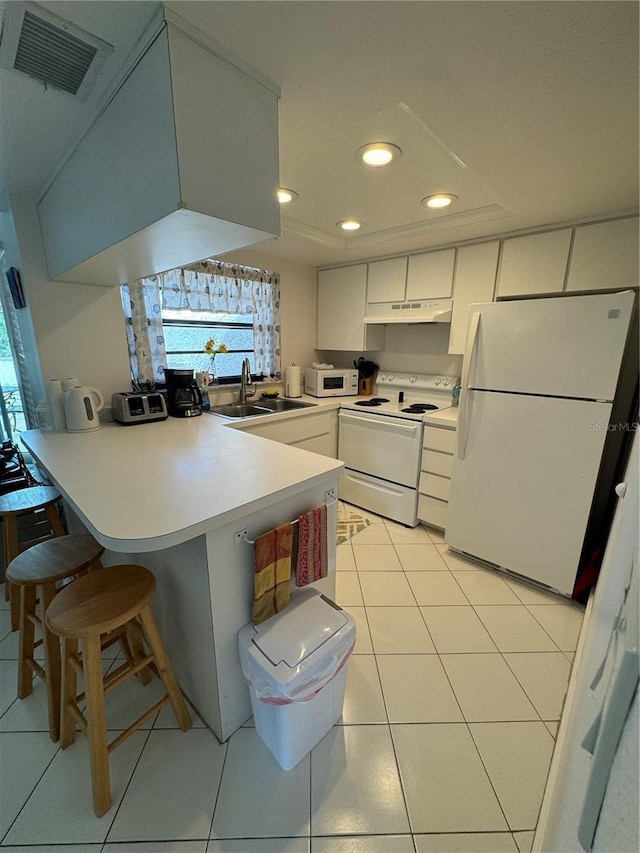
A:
{"points": [[295, 664]]}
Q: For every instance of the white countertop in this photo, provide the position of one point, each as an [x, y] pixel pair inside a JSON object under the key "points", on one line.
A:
{"points": [[149, 486], [444, 417]]}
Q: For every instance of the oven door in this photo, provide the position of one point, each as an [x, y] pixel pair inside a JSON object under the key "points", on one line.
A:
{"points": [[380, 446]]}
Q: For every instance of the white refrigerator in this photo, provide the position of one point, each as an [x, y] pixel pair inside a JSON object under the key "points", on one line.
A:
{"points": [[539, 381]]}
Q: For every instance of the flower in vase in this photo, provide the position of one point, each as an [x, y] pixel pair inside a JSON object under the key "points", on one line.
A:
{"points": [[212, 349]]}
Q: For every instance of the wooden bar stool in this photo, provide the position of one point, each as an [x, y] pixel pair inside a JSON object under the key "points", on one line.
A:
{"points": [[36, 574], [38, 502], [99, 605]]}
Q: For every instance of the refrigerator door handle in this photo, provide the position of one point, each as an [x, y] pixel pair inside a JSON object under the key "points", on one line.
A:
{"points": [[469, 352]]}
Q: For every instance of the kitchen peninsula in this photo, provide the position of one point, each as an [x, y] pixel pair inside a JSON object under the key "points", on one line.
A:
{"points": [[172, 496]]}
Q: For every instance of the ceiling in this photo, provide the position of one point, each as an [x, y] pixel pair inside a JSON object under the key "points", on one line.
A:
{"points": [[527, 111]]}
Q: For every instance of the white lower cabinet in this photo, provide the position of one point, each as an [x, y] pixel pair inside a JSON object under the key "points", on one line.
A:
{"points": [[316, 431], [438, 447]]}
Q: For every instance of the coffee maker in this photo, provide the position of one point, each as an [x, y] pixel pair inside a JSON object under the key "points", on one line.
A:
{"points": [[184, 399]]}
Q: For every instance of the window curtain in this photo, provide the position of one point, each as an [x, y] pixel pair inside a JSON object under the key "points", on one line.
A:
{"points": [[205, 286]]}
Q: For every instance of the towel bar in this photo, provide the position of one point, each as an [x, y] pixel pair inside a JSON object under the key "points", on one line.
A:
{"points": [[243, 537]]}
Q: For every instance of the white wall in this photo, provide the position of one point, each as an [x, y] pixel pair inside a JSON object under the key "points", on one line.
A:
{"points": [[79, 329], [297, 302]]}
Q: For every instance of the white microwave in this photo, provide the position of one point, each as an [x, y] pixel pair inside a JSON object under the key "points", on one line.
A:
{"points": [[325, 382]]}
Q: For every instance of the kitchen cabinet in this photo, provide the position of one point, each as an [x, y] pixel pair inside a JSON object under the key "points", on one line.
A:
{"points": [[604, 256], [438, 447], [534, 263], [474, 281], [430, 275], [387, 280], [315, 431], [341, 301], [159, 180]]}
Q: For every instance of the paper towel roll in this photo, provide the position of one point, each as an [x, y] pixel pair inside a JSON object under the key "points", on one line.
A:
{"points": [[293, 381], [56, 405]]}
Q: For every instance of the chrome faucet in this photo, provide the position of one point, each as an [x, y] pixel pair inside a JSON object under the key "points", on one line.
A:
{"points": [[244, 381]]}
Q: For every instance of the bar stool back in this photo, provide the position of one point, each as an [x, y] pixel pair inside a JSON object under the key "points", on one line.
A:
{"points": [[98, 605], [36, 574], [39, 503]]}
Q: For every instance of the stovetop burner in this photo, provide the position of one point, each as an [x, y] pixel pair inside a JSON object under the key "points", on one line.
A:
{"points": [[420, 408], [374, 401]]}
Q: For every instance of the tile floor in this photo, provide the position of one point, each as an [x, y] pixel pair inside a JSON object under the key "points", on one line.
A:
{"points": [[452, 703]]}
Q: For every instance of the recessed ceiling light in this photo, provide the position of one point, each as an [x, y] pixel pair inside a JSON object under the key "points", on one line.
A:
{"points": [[438, 200], [285, 195], [350, 224], [378, 153]]}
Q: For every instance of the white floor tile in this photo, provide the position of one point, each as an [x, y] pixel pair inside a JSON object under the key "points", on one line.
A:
{"points": [[420, 558], [373, 805], [445, 784], [374, 534], [371, 516], [348, 589], [166, 719], [484, 586], [59, 848], [456, 562], [544, 677], [376, 558], [30, 714], [4, 605], [486, 688], [514, 629], [530, 594], [344, 558], [257, 798], [386, 589], [152, 847], [562, 623], [363, 701], [470, 842], [60, 809], [364, 844], [401, 534], [5, 623], [363, 637], [259, 845], [9, 683], [436, 536], [430, 698], [399, 630], [457, 629], [24, 758], [524, 840], [506, 750], [172, 761], [434, 588]]}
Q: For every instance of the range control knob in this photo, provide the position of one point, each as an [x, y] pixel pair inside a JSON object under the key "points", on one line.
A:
{"points": [[384, 376], [413, 379], [446, 382], [391, 377], [438, 380]]}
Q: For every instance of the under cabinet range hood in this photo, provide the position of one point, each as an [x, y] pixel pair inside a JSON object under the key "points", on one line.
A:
{"points": [[425, 311]]}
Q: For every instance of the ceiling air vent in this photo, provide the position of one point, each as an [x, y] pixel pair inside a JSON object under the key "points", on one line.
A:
{"points": [[51, 50]]}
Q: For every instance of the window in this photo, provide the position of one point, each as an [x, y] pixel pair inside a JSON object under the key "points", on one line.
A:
{"points": [[186, 333]]}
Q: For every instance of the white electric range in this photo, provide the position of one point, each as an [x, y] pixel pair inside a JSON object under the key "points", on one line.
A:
{"points": [[380, 442]]}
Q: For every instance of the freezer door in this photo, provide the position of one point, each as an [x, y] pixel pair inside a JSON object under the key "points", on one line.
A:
{"points": [[563, 346], [521, 496]]}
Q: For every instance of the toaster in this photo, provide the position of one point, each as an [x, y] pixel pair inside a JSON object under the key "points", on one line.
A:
{"points": [[135, 408]]}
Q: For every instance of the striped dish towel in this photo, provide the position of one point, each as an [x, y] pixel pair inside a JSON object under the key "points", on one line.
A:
{"points": [[272, 553], [311, 562]]}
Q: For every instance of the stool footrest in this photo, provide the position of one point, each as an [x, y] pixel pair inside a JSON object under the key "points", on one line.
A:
{"points": [[35, 667], [139, 722], [124, 673]]}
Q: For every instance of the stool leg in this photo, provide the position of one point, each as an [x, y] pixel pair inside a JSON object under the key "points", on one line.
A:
{"points": [[27, 596], [11, 550], [164, 667], [51, 644], [55, 523], [68, 692], [96, 725], [134, 651]]}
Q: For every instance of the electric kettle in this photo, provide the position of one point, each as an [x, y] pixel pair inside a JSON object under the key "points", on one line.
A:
{"points": [[81, 407]]}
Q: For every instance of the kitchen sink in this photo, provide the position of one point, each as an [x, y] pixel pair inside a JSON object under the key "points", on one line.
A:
{"points": [[254, 410]]}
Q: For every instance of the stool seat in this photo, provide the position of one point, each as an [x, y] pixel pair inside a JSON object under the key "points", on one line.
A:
{"points": [[26, 500], [109, 602], [55, 559], [102, 601]]}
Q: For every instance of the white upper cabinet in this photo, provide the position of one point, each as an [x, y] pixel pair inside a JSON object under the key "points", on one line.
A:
{"points": [[430, 276], [604, 256], [161, 180], [342, 296], [387, 280], [475, 279], [534, 263]]}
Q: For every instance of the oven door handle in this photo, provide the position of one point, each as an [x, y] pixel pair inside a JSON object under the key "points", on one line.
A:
{"points": [[389, 424]]}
